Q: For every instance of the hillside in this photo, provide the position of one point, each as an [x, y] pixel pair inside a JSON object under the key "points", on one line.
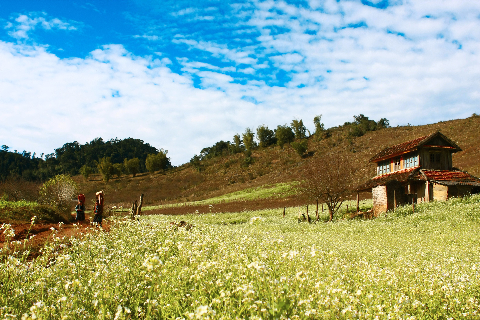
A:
{"points": [[273, 165]]}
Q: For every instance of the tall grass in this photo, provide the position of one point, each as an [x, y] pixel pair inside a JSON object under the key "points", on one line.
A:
{"points": [[258, 265]]}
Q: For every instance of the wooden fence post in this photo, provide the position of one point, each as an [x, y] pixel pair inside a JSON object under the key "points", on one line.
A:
{"points": [[358, 202], [284, 212], [139, 208]]}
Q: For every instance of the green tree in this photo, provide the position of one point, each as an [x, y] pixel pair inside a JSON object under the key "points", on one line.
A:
{"points": [[132, 166], [158, 161], [248, 140], [86, 171], [105, 167], [284, 134], [118, 169], [299, 129], [265, 136], [195, 162], [383, 123], [319, 127], [236, 147]]}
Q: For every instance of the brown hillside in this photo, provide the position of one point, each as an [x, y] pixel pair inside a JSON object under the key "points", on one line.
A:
{"points": [[273, 165]]}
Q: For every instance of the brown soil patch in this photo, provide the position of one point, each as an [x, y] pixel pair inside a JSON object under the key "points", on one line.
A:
{"points": [[234, 206], [41, 233]]}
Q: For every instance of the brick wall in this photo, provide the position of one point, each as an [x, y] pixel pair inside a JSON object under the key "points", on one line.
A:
{"points": [[379, 197]]}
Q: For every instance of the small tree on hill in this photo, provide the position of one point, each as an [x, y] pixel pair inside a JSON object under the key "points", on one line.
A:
{"points": [[265, 136], [248, 140], [319, 127], [118, 169], [158, 161], [132, 166], [329, 179], [299, 129], [105, 167], [284, 134]]}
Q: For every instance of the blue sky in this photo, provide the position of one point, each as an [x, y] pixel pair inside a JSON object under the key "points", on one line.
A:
{"points": [[182, 75]]}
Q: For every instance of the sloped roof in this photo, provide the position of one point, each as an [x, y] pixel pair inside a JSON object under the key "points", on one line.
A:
{"points": [[448, 177], [443, 177], [400, 176], [412, 145]]}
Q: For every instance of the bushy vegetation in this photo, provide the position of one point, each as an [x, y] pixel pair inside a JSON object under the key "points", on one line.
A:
{"points": [[258, 265], [73, 158]]}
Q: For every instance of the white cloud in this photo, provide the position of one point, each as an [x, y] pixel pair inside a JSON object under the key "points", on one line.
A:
{"points": [[400, 65], [220, 51], [23, 25], [148, 37]]}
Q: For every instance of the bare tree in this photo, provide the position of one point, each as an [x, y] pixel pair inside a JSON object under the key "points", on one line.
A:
{"points": [[330, 179]]}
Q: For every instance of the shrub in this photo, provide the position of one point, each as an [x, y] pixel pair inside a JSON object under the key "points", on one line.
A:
{"points": [[300, 146], [59, 192]]}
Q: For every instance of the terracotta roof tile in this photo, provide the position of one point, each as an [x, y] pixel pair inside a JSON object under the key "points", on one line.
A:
{"points": [[400, 176], [408, 146], [398, 149], [450, 177]]}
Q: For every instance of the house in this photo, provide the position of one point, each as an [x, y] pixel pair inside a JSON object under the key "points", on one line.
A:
{"points": [[419, 170]]}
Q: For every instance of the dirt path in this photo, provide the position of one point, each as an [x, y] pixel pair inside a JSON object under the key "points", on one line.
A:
{"points": [[39, 233]]}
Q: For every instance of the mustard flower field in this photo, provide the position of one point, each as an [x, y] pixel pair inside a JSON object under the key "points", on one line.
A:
{"points": [[257, 265]]}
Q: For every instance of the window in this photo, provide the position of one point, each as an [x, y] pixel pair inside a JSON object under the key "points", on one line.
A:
{"points": [[411, 161], [383, 168], [396, 164]]}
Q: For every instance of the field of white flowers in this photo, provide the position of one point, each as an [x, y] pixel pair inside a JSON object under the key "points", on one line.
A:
{"points": [[258, 265]]}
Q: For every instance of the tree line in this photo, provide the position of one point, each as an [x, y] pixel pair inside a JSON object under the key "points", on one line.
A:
{"points": [[112, 157], [295, 135]]}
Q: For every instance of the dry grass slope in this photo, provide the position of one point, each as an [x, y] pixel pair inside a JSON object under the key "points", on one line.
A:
{"points": [[274, 165]]}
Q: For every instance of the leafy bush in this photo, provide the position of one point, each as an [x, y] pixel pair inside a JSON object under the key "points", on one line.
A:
{"points": [[59, 192], [300, 147]]}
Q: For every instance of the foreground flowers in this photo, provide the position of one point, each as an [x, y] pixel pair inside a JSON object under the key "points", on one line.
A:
{"points": [[257, 265]]}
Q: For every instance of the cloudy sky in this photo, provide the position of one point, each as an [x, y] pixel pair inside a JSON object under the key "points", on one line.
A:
{"points": [[182, 75]]}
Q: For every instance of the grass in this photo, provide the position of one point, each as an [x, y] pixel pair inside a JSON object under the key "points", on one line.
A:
{"points": [[258, 265], [24, 211], [263, 192]]}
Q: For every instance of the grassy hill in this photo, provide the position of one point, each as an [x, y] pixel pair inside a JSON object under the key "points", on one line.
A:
{"points": [[273, 167]]}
